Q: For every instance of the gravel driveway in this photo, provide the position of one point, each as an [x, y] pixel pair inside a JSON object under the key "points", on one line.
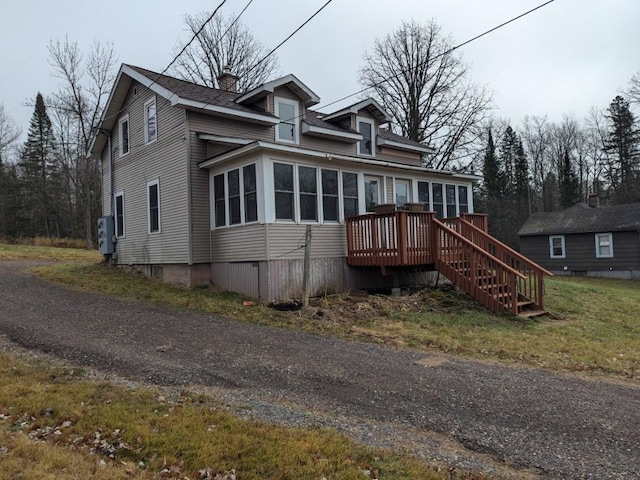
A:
{"points": [[515, 422]]}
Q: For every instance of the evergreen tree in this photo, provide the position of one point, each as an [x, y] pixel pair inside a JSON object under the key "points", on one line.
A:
{"points": [[522, 186], [494, 184], [568, 182], [622, 143], [39, 172]]}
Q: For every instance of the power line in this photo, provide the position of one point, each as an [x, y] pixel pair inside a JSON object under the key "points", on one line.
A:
{"points": [[272, 50], [396, 75]]}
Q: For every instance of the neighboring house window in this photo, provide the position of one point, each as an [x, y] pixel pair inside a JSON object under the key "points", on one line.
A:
{"points": [[250, 194], [402, 189], [463, 199], [308, 187], [604, 245], [119, 214], [150, 121], [124, 135], [366, 146], [283, 186], [556, 246], [233, 184], [219, 196], [235, 199], [350, 193], [153, 202], [372, 188], [438, 203], [423, 195], [287, 112], [330, 195]]}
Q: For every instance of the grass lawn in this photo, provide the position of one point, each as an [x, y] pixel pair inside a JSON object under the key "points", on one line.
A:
{"points": [[56, 424]]}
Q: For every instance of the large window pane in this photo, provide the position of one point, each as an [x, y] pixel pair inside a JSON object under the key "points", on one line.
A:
{"points": [[463, 199], [438, 204], [250, 197], [219, 199], [451, 201], [283, 181], [330, 195], [371, 193], [350, 193], [286, 128], [366, 130], [154, 207], [308, 185], [120, 215], [233, 180], [423, 195]]}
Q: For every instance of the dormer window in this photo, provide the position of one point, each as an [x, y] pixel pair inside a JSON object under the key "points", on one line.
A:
{"points": [[366, 146], [287, 111]]}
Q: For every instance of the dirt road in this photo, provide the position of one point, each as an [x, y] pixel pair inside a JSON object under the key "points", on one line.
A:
{"points": [[476, 414]]}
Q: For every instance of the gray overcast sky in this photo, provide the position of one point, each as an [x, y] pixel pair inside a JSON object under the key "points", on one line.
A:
{"points": [[564, 58]]}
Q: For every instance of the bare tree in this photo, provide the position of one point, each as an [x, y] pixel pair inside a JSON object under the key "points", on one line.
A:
{"points": [[224, 42], [9, 131], [424, 85], [633, 92], [77, 107]]}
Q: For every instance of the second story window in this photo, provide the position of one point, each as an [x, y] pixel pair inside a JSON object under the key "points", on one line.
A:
{"points": [[366, 146], [287, 111], [150, 121], [124, 135]]}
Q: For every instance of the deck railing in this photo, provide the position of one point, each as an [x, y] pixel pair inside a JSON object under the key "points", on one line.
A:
{"points": [[531, 285], [399, 238], [490, 281]]}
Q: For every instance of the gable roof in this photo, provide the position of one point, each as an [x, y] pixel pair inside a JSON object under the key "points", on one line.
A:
{"points": [[388, 138], [582, 218], [180, 93], [369, 104], [290, 81]]}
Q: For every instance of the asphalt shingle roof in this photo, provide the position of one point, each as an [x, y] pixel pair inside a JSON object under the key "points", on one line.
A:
{"points": [[582, 218]]}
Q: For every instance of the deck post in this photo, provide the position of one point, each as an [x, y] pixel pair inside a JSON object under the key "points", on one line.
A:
{"points": [[402, 236]]}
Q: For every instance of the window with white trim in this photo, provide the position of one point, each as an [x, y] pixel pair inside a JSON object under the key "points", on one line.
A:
{"points": [[350, 194], [287, 111], [423, 195], [438, 199], [463, 199], [308, 188], [150, 121], [366, 146], [235, 199], [283, 187], [604, 245], [330, 195], [153, 206], [119, 214], [123, 135], [450, 196], [556, 246], [372, 192]]}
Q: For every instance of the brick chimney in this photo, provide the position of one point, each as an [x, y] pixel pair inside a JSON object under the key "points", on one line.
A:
{"points": [[227, 81], [594, 200]]}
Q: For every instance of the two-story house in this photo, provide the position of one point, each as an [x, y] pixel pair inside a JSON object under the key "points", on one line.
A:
{"points": [[215, 186]]}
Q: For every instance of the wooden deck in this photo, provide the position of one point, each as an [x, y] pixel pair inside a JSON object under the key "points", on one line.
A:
{"points": [[460, 248]]}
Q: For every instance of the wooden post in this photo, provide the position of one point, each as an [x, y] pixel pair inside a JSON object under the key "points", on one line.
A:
{"points": [[305, 273]]}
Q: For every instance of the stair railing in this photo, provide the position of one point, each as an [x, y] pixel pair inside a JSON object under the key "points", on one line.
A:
{"points": [[486, 278], [531, 283]]}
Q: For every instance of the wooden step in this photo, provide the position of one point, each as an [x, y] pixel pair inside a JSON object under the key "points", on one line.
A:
{"points": [[532, 313]]}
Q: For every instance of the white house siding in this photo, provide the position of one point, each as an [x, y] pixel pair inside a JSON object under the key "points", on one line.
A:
{"points": [[106, 182], [199, 202], [163, 160]]}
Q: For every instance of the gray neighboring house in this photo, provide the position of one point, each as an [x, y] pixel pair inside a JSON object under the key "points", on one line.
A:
{"points": [[212, 186], [585, 240]]}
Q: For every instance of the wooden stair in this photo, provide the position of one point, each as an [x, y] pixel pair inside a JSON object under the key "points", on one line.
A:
{"points": [[491, 272]]}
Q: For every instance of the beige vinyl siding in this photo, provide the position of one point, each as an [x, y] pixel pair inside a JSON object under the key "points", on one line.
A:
{"points": [[223, 127], [324, 145], [106, 182], [389, 190], [286, 241], [199, 202], [401, 157], [164, 160], [247, 243]]}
